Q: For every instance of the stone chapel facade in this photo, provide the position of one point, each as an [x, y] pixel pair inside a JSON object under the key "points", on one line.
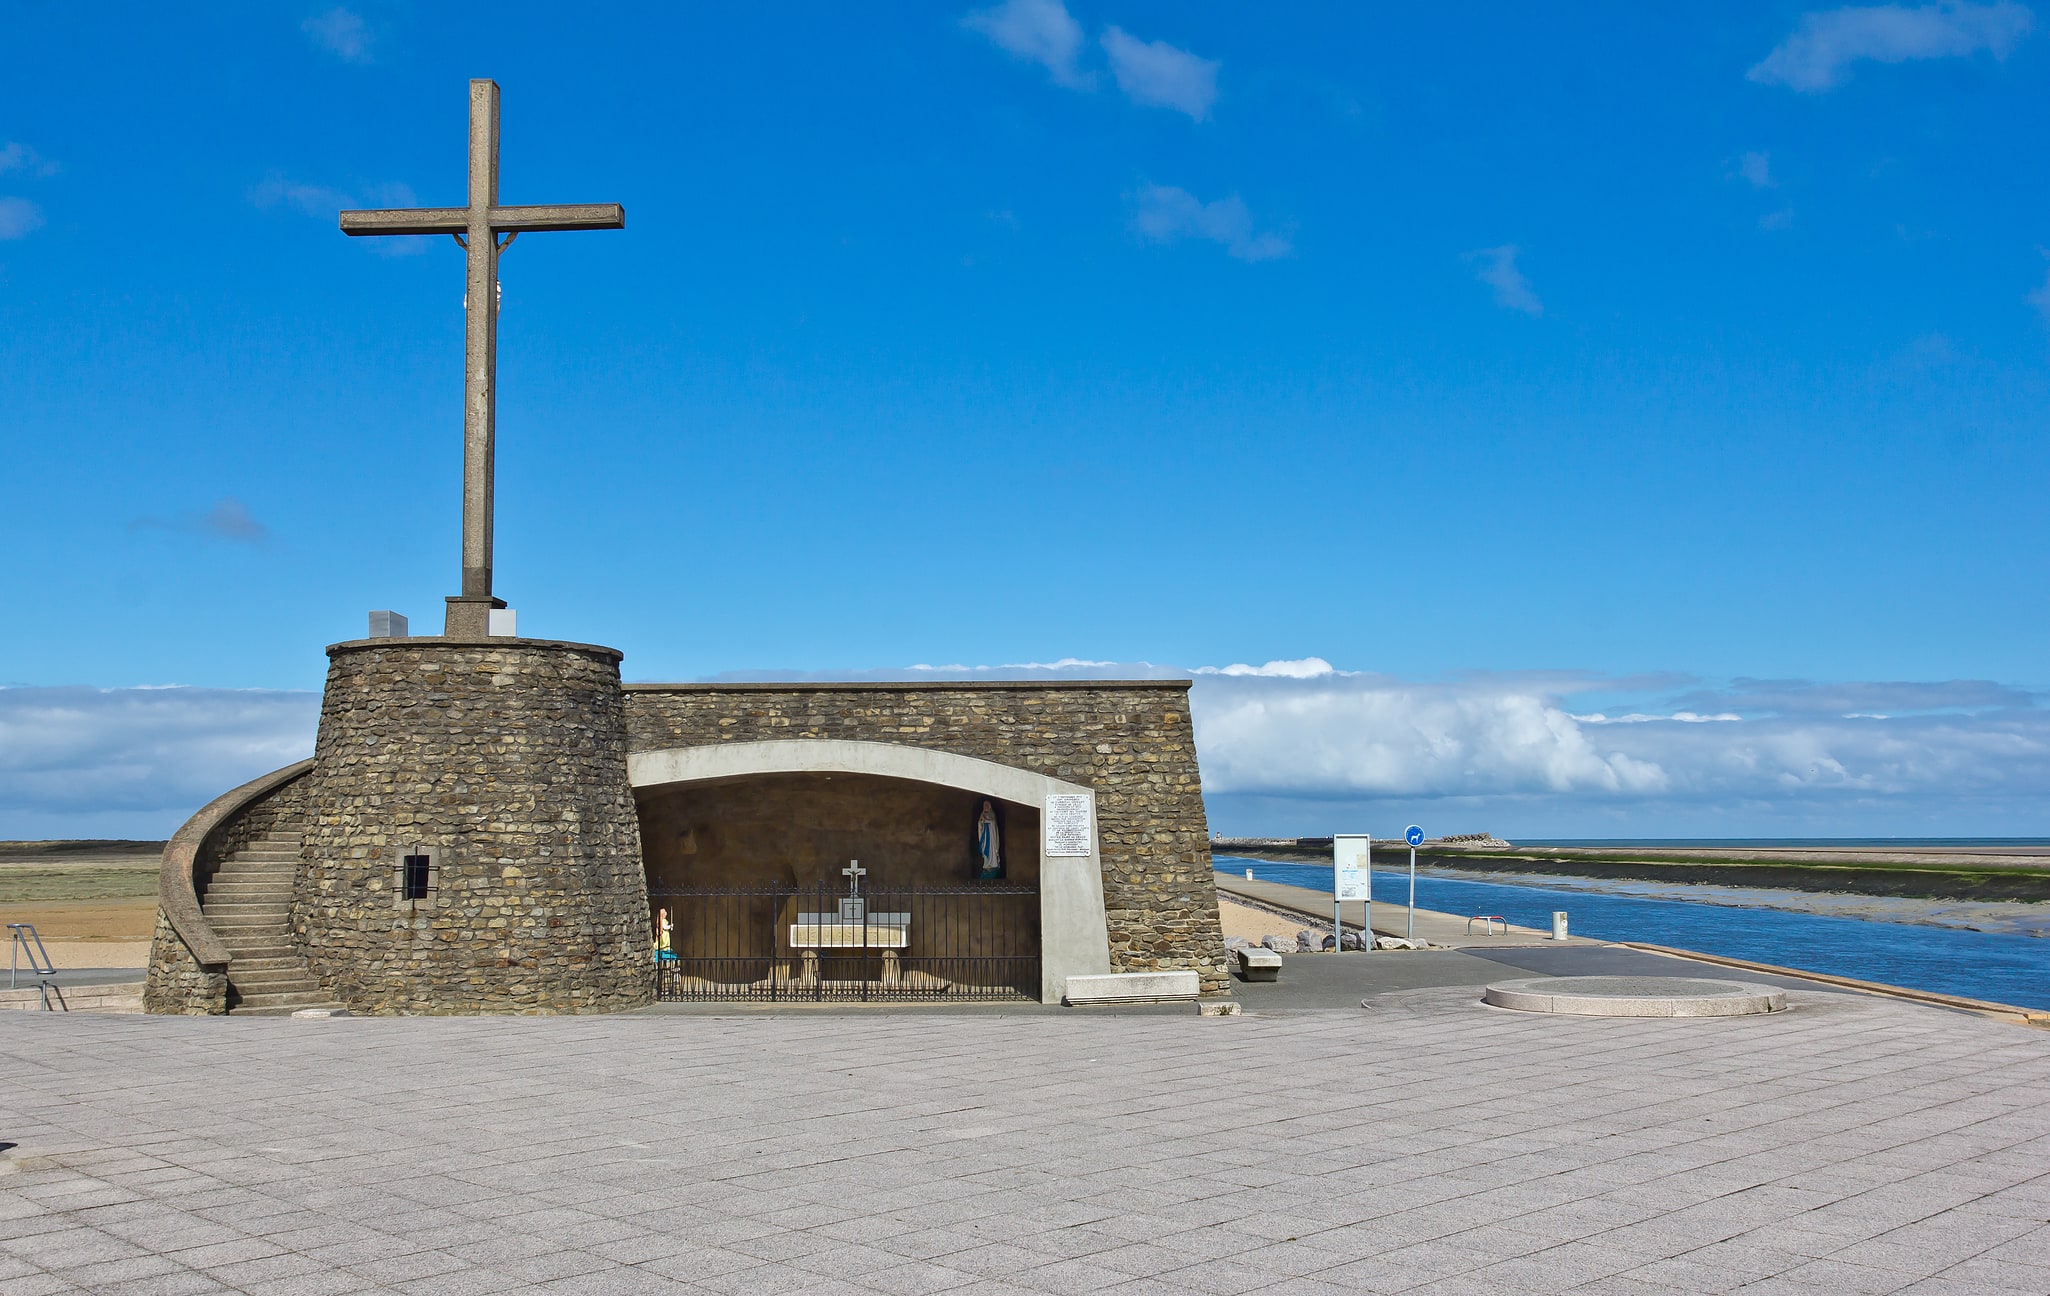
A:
{"points": [[483, 822]]}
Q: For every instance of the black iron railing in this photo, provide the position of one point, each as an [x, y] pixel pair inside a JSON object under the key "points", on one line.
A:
{"points": [[976, 941]]}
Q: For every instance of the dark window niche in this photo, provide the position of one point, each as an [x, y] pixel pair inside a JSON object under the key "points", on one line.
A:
{"points": [[415, 884]]}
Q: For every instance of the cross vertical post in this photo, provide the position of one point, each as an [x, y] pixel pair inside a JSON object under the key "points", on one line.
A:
{"points": [[477, 226], [472, 608]]}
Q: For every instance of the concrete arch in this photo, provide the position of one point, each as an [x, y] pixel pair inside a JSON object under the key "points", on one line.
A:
{"points": [[1074, 937]]}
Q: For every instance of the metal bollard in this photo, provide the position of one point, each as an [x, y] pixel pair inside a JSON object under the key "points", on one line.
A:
{"points": [[1558, 924]]}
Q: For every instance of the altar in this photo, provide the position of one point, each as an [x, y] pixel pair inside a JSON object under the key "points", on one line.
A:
{"points": [[853, 926]]}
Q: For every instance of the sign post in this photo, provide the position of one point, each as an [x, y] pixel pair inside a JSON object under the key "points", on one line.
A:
{"points": [[1352, 878], [1415, 837]]}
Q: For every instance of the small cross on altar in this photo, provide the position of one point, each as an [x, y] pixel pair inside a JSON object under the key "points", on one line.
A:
{"points": [[854, 873], [477, 227]]}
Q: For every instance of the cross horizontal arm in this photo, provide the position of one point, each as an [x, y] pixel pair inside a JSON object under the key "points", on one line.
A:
{"points": [[455, 220]]}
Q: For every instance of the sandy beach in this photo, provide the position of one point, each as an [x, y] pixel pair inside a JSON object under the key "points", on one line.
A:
{"points": [[91, 910]]}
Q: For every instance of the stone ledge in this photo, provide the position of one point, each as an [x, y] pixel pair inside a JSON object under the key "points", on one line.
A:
{"points": [[1133, 987], [480, 645], [1623, 996], [901, 686]]}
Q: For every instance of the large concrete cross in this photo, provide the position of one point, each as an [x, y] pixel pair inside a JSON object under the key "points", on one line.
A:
{"points": [[477, 228]]}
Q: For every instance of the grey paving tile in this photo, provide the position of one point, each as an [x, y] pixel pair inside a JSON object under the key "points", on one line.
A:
{"points": [[41, 1284], [1749, 1151]]}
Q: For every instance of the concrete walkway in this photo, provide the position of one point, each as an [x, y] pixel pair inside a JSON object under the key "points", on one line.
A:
{"points": [[1424, 1144], [1389, 919]]}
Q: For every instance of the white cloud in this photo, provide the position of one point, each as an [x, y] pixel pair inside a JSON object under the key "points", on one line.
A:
{"points": [[322, 200], [1296, 668], [1037, 31], [1756, 170], [1498, 271], [20, 157], [1287, 746], [1164, 214], [1777, 220], [2040, 298], [1159, 75], [309, 199], [19, 218], [1819, 53], [1638, 717], [85, 762], [341, 33], [228, 519]]}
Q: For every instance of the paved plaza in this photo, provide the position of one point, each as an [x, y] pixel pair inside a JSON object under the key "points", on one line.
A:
{"points": [[1426, 1143]]}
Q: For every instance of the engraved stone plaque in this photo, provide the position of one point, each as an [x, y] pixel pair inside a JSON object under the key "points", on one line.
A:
{"points": [[1066, 826]]}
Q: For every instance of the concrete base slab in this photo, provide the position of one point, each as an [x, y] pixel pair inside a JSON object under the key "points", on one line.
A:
{"points": [[1635, 996], [1132, 987]]}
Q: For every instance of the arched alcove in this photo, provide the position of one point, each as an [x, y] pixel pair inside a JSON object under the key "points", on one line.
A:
{"points": [[790, 812]]}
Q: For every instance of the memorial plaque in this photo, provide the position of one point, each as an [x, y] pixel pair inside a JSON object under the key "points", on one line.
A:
{"points": [[1066, 827]]}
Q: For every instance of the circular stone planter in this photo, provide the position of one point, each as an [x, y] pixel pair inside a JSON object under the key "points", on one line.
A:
{"points": [[1628, 996]]}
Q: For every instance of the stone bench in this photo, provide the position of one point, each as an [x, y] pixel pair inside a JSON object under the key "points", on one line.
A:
{"points": [[1132, 987], [1257, 963]]}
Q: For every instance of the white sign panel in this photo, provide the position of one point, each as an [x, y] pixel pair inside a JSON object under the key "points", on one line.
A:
{"points": [[1065, 831], [1352, 865]]}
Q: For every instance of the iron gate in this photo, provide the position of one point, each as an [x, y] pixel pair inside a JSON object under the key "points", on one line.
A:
{"points": [[977, 941]]}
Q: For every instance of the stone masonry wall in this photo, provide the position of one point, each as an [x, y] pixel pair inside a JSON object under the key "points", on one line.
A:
{"points": [[507, 757], [1130, 741], [177, 984]]}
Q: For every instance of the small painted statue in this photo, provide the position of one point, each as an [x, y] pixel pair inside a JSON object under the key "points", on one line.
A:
{"points": [[989, 845]]}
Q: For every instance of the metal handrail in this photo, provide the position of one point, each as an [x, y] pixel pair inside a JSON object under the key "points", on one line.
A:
{"points": [[39, 963]]}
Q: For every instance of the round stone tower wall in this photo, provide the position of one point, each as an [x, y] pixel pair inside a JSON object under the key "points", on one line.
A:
{"points": [[492, 777]]}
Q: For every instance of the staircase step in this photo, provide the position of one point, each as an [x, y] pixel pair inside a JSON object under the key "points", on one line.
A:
{"points": [[248, 903], [285, 1010], [287, 998], [249, 980], [284, 981]]}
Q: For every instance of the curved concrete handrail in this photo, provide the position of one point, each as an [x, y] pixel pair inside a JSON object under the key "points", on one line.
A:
{"points": [[175, 891]]}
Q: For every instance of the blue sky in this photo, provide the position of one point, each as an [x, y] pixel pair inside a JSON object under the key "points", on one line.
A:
{"points": [[1617, 361]]}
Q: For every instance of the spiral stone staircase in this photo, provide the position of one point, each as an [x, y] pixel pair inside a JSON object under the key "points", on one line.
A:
{"points": [[248, 903]]}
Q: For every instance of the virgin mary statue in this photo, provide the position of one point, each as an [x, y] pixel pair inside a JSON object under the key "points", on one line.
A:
{"points": [[989, 845]]}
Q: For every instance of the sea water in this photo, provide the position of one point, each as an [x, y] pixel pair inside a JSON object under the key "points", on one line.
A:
{"points": [[1978, 965]]}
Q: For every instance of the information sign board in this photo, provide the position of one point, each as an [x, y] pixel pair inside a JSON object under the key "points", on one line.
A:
{"points": [[1352, 864]]}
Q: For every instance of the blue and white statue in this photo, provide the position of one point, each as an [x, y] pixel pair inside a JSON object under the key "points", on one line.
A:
{"points": [[989, 845]]}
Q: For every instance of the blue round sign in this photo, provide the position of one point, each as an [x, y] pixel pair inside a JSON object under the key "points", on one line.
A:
{"points": [[1414, 835]]}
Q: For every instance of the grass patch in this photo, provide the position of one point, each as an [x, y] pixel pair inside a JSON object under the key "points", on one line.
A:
{"points": [[27, 883]]}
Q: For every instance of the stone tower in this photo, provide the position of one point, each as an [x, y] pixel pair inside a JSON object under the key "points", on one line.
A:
{"points": [[494, 773]]}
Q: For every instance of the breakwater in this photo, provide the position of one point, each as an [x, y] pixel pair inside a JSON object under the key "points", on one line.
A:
{"points": [[1989, 872]]}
